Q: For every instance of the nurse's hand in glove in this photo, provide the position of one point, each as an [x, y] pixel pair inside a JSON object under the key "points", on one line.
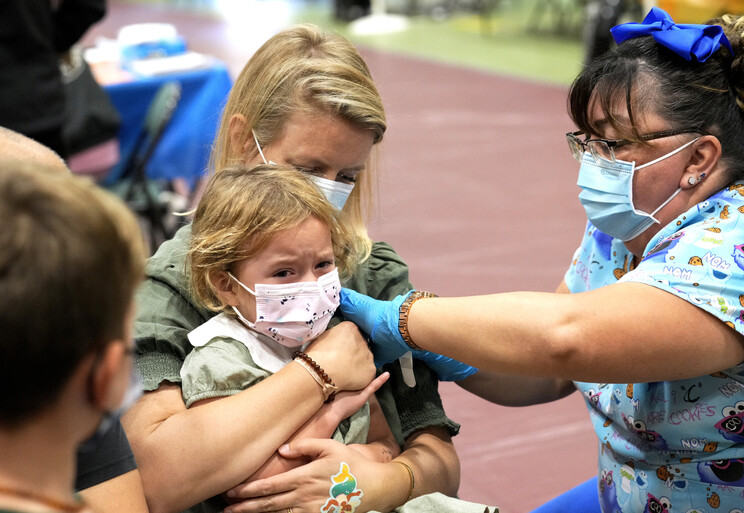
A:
{"points": [[379, 320]]}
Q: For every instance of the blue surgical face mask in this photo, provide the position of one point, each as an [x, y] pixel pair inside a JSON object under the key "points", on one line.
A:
{"points": [[607, 195], [335, 192]]}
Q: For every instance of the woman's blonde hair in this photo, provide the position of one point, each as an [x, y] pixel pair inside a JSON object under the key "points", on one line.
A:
{"points": [[243, 209], [303, 69]]}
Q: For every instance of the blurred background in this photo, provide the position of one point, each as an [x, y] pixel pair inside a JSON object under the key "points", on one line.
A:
{"points": [[475, 187]]}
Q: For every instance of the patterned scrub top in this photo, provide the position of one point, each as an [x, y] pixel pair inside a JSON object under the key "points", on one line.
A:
{"points": [[673, 446]]}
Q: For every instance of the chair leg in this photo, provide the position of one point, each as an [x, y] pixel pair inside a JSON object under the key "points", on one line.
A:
{"points": [[154, 216]]}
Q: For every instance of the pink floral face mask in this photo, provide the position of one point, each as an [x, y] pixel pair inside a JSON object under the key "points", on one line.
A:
{"points": [[293, 314]]}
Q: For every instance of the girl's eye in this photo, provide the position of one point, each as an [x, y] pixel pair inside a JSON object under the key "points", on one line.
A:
{"points": [[325, 264], [282, 274]]}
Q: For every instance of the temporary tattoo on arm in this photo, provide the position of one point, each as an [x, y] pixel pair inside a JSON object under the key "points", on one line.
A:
{"points": [[344, 495]]}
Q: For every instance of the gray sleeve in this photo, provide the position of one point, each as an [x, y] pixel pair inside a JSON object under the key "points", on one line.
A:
{"points": [[166, 314], [222, 367]]}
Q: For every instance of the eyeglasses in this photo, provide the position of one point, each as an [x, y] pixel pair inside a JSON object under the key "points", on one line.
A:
{"points": [[605, 148]]}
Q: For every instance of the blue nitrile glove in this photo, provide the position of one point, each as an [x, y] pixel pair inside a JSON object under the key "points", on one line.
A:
{"points": [[379, 320], [446, 368]]}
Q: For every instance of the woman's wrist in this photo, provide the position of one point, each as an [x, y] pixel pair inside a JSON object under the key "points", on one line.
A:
{"points": [[390, 486], [405, 482], [344, 354], [411, 479], [404, 312], [327, 386]]}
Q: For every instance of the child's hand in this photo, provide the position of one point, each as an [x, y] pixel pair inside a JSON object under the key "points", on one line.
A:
{"points": [[343, 353], [346, 403]]}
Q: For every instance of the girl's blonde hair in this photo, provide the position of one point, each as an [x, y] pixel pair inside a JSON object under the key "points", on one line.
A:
{"points": [[243, 209], [303, 69]]}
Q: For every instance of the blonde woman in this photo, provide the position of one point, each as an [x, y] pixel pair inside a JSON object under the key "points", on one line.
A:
{"points": [[306, 100]]}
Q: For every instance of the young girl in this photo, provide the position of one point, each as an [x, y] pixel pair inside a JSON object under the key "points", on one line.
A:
{"points": [[267, 252]]}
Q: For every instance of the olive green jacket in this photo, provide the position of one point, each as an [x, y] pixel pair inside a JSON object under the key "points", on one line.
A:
{"points": [[166, 314]]}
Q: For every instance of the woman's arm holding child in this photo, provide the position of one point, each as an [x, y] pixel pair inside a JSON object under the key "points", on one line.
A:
{"points": [[381, 445], [165, 435], [324, 423]]}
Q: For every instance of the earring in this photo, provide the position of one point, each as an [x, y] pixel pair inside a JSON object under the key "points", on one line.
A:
{"points": [[692, 180]]}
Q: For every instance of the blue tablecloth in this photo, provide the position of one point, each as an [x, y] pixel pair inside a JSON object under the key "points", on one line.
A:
{"points": [[183, 151]]}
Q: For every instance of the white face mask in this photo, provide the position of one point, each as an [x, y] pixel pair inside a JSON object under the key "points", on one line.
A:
{"points": [[335, 192], [293, 314], [260, 151], [110, 418]]}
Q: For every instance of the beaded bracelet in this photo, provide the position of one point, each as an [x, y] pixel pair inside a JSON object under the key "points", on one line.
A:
{"points": [[316, 371], [410, 474], [405, 307]]}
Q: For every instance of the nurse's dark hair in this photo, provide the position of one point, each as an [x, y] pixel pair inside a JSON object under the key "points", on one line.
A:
{"points": [[707, 97]]}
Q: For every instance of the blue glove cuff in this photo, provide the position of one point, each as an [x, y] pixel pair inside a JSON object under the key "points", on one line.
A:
{"points": [[446, 368], [405, 307]]}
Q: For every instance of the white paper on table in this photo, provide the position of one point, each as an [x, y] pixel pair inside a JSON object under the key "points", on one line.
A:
{"points": [[172, 64]]}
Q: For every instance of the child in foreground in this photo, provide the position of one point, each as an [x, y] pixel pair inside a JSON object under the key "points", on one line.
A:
{"points": [[71, 256]]}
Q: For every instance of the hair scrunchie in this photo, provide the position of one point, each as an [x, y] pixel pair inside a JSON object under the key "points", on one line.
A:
{"points": [[685, 39]]}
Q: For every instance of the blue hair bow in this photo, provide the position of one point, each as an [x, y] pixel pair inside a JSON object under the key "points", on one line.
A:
{"points": [[686, 40]]}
